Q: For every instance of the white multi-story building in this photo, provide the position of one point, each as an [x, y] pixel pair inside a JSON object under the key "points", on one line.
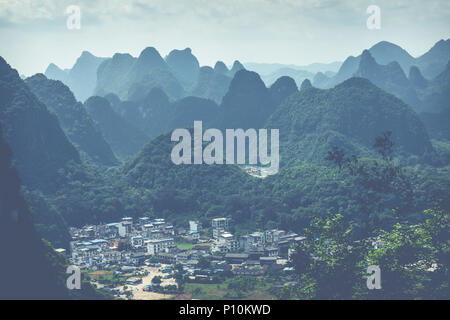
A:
{"points": [[194, 226], [224, 243], [221, 223], [124, 228], [252, 241], [155, 246], [112, 256], [217, 232], [257, 237], [85, 256], [137, 241]]}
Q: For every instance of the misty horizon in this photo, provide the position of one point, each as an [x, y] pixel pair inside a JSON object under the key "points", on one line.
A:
{"points": [[229, 64], [299, 33]]}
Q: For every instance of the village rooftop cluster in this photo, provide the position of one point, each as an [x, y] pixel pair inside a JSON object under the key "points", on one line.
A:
{"points": [[139, 242]]}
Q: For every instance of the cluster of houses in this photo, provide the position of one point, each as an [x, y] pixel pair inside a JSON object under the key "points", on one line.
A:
{"points": [[254, 253], [134, 243], [127, 242], [269, 243]]}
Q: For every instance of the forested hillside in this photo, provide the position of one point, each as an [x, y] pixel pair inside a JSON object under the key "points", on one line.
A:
{"points": [[27, 261], [39, 145], [350, 116]]}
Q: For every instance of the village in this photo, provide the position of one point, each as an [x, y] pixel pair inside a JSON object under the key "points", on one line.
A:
{"points": [[143, 249]]}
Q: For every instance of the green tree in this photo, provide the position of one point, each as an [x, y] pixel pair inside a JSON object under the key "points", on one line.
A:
{"points": [[329, 261], [414, 259], [378, 181]]}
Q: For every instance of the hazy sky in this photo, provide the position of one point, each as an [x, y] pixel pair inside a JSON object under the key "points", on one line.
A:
{"points": [[33, 33]]}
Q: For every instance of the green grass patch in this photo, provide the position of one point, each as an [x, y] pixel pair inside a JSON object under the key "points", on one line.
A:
{"points": [[107, 277], [184, 245]]}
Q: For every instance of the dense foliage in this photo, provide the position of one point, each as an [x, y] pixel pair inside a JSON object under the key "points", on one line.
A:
{"points": [[413, 260], [350, 116], [29, 268]]}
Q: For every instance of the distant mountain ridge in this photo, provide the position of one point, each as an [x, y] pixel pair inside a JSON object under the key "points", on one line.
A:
{"points": [[82, 78], [297, 75], [184, 65], [430, 64], [268, 68], [212, 83], [270, 72], [155, 114], [131, 78], [72, 116], [247, 104], [282, 88], [389, 77], [112, 73], [436, 100], [124, 138], [179, 75]]}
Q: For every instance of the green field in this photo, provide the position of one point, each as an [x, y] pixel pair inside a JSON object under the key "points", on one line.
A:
{"points": [[106, 277], [183, 245]]}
